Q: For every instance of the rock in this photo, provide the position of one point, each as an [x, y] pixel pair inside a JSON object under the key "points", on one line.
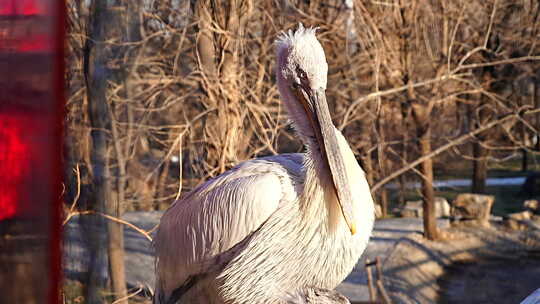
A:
{"points": [[464, 222], [410, 213], [313, 295], [415, 208], [442, 207], [532, 205], [519, 220], [476, 207], [496, 218]]}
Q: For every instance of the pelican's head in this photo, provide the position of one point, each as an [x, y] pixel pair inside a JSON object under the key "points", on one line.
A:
{"points": [[302, 69], [301, 76]]}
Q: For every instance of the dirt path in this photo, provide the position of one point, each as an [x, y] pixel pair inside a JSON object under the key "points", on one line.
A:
{"points": [[500, 280], [477, 265]]}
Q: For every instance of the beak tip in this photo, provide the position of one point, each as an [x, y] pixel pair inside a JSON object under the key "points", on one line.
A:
{"points": [[353, 229]]}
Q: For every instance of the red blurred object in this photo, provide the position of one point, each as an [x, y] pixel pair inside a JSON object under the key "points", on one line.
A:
{"points": [[37, 43], [13, 152], [21, 7], [25, 26], [22, 162], [31, 108], [26, 55]]}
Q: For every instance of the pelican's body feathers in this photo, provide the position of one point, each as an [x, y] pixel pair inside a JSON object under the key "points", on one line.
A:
{"points": [[253, 215]]}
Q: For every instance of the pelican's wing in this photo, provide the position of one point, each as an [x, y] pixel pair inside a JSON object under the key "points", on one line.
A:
{"points": [[533, 298], [217, 215]]}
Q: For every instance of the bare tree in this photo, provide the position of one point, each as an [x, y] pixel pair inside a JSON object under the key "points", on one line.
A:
{"points": [[222, 26], [97, 57]]}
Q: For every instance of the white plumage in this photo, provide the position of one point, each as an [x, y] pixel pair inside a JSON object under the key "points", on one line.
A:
{"points": [[533, 298], [275, 225]]}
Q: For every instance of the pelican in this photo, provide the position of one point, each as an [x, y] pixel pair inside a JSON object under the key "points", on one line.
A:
{"points": [[273, 225]]}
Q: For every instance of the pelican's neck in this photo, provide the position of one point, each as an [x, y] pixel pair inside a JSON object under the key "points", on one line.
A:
{"points": [[319, 200]]}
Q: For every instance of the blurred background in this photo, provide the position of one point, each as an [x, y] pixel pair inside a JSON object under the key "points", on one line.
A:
{"points": [[439, 100]]}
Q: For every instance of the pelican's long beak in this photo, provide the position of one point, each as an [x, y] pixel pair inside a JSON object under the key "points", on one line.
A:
{"points": [[326, 136]]}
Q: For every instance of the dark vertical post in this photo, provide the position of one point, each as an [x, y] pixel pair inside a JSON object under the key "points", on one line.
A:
{"points": [[96, 57]]}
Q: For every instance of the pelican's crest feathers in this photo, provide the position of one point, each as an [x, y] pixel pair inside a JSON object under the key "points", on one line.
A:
{"points": [[290, 37]]}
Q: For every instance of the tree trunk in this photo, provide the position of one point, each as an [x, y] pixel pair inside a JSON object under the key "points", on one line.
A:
{"points": [[96, 87], [421, 114], [116, 256], [205, 40], [536, 102], [479, 168], [524, 161], [430, 224], [97, 55], [404, 147], [381, 156], [480, 115], [221, 82]]}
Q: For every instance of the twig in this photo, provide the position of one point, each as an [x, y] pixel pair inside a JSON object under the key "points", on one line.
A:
{"points": [[180, 164], [394, 91], [131, 295], [77, 195], [112, 218], [486, 40], [497, 62]]}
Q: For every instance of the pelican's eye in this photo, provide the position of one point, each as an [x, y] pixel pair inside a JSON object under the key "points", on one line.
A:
{"points": [[301, 74]]}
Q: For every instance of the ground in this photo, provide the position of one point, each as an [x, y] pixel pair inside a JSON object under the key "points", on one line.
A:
{"points": [[415, 270], [474, 265], [510, 279]]}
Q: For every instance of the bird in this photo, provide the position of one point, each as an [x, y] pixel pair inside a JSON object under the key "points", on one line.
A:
{"points": [[278, 224]]}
